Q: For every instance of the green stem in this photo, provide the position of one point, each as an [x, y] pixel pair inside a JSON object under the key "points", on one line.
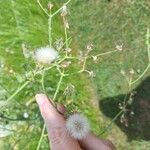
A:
{"points": [[30, 101], [50, 29], [141, 74], [42, 81], [18, 90], [148, 44], [62, 75], [109, 125], [66, 35], [58, 86], [84, 63], [148, 53], [45, 69], [54, 97], [106, 53], [44, 10], [120, 112], [41, 137], [57, 11]]}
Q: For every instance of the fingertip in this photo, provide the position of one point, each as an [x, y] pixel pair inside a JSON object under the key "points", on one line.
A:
{"points": [[40, 95], [40, 98], [45, 105]]}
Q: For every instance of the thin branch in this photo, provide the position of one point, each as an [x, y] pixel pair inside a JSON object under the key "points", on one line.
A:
{"points": [[57, 11], [148, 53], [42, 81], [106, 53], [58, 86], [109, 125], [50, 29], [148, 44], [54, 97], [44, 10], [18, 90], [41, 137], [141, 76], [65, 31]]}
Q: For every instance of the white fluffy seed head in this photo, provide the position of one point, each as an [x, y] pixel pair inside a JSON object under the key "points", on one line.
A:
{"points": [[45, 55], [77, 126]]}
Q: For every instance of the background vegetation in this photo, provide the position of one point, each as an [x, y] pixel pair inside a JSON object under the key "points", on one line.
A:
{"points": [[108, 25]]}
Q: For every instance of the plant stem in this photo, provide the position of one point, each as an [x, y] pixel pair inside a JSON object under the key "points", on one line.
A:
{"points": [[50, 44], [42, 80], [30, 101], [54, 97], [18, 90], [106, 53], [50, 29], [65, 31], [57, 11], [148, 44], [38, 1], [148, 53], [141, 74], [66, 35], [84, 63], [58, 86], [109, 125], [41, 137], [45, 69]]}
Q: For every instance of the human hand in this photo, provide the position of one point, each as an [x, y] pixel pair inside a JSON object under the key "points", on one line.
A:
{"points": [[57, 133]]}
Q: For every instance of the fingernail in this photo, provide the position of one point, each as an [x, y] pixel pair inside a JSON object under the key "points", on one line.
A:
{"points": [[40, 99]]}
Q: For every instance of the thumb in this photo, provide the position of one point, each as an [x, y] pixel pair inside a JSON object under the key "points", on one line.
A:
{"points": [[55, 124], [48, 111]]}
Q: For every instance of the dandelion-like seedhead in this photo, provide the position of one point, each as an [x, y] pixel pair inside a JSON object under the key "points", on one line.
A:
{"points": [[77, 126], [45, 55]]}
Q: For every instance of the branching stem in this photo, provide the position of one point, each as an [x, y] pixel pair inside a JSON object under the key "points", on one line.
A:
{"points": [[57, 11]]}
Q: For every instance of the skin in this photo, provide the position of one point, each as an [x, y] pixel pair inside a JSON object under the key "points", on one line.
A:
{"points": [[57, 134]]}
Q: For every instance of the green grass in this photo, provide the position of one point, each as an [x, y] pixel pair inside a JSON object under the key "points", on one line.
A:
{"points": [[105, 24]]}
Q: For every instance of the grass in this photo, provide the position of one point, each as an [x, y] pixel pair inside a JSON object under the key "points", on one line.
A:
{"points": [[105, 24]]}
